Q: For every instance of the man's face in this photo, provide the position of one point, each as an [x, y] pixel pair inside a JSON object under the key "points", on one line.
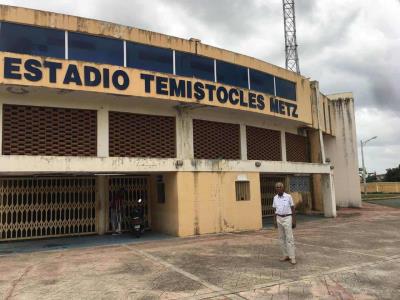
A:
{"points": [[279, 190]]}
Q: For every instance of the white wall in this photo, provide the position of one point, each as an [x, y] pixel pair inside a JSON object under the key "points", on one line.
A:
{"points": [[342, 151]]}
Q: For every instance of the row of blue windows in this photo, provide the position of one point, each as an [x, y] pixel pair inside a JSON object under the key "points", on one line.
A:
{"points": [[52, 43]]}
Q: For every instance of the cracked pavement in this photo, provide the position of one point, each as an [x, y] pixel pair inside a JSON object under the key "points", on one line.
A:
{"points": [[355, 256]]}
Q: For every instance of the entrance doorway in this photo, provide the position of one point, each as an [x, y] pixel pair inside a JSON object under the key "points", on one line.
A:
{"points": [[267, 184], [135, 188], [47, 206]]}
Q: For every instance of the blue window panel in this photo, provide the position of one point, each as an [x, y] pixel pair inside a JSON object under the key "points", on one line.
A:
{"points": [[150, 58], [191, 65], [32, 40], [285, 89], [262, 82], [95, 49], [232, 74]]}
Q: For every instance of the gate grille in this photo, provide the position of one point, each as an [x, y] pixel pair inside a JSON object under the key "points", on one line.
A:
{"points": [[267, 184], [46, 207], [134, 135], [297, 148], [135, 187], [215, 140], [34, 130], [263, 144]]}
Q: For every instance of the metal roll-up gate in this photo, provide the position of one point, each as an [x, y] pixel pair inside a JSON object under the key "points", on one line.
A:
{"points": [[267, 185], [38, 207], [134, 188]]}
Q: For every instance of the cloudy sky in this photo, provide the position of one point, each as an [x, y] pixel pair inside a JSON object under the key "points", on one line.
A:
{"points": [[347, 45]]}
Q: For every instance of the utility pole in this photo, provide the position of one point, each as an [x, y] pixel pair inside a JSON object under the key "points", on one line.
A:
{"points": [[364, 171], [289, 19]]}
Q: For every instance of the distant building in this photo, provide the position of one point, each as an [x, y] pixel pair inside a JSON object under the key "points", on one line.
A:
{"points": [[380, 177], [201, 134]]}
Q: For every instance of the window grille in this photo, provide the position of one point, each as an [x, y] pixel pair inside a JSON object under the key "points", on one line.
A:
{"points": [[297, 148], [300, 184], [215, 140], [135, 135], [35, 130], [242, 190], [263, 144]]}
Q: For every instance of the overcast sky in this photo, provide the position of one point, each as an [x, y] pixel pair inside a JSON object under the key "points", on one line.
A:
{"points": [[347, 45]]}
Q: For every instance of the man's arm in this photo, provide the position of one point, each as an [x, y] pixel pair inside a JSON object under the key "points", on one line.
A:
{"points": [[293, 216]]}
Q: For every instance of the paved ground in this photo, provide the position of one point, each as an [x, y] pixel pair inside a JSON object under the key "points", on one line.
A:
{"points": [[355, 256]]}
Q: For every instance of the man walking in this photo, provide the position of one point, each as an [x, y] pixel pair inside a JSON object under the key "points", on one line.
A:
{"points": [[285, 220]]}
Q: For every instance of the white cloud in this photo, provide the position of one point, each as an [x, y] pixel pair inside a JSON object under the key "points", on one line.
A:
{"points": [[384, 151]]}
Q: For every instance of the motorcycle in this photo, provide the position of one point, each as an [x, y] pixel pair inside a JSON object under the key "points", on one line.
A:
{"points": [[137, 220]]}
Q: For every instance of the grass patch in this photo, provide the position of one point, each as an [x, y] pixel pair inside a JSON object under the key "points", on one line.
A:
{"points": [[379, 196]]}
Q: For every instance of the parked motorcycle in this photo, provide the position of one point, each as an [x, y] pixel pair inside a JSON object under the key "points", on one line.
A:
{"points": [[137, 220]]}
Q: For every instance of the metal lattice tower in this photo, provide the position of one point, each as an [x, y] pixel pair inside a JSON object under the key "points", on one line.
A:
{"points": [[289, 17]]}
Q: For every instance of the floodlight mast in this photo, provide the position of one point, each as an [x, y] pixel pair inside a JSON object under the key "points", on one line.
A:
{"points": [[289, 19]]}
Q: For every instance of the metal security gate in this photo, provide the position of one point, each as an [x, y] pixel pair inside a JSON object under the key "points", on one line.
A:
{"points": [[135, 187], [37, 207], [267, 184]]}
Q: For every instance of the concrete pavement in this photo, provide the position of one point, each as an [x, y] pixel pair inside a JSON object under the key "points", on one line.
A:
{"points": [[355, 256]]}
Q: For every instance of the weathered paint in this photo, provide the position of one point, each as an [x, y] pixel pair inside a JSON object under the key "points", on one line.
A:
{"points": [[207, 203], [342, 151]]}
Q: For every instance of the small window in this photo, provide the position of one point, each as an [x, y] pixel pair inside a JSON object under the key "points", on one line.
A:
{"points": [[95, 49], [261, 82], [32, 40], [191, 65], [242, 190], [150, 58], [285, 89], [232, 74]]}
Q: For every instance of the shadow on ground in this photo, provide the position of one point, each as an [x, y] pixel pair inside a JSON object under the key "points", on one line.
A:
{"points": [[78, 242]]}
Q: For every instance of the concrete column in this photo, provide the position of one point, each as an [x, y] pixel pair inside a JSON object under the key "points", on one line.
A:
{"points": [[102, 133], [1, 128], [328, 194], [283, 145], [102, 204], [243, 142], [184, 134]]}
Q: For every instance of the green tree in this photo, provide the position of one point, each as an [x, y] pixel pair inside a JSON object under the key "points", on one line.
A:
{"points": [[393, 175]]}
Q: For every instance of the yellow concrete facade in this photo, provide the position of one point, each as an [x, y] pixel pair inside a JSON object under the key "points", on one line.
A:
{"points": [[200, 194], [205, 202]]}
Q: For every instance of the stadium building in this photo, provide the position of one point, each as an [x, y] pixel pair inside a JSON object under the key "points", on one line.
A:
{"points": [[200, 133]]}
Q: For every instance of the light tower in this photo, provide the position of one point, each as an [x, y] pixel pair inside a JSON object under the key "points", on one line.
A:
{"points": [[289, 19]]}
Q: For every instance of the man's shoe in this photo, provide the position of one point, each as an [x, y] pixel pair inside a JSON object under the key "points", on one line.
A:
{"points": [[293, 261], [285, 258]]}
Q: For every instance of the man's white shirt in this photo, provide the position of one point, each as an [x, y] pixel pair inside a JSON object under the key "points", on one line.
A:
{"points": [[282, 204]]}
